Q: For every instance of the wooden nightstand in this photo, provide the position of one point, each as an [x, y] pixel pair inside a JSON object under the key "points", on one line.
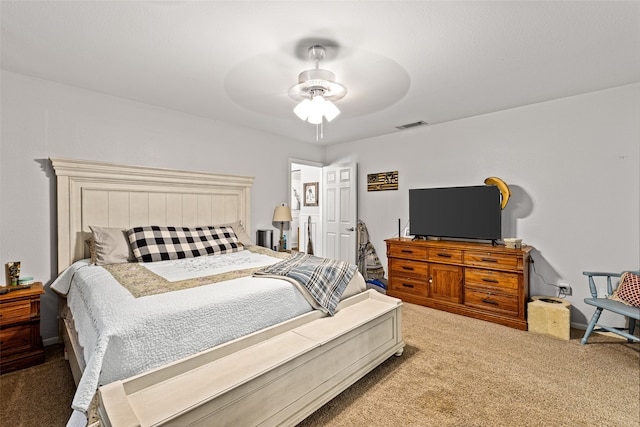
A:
{"points": [[20, 341]]}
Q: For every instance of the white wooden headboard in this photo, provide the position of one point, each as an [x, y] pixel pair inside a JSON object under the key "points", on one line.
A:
{"points": [[112, 195]]}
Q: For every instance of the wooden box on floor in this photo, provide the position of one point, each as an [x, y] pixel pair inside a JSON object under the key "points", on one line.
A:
{"points": [[551, 316]]}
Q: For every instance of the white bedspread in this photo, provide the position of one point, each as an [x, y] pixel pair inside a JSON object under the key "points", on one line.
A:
{"points": [[191, 268], [123, 336]]}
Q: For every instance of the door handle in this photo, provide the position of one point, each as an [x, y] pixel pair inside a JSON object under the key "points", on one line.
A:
{"points": [[350, 229]]}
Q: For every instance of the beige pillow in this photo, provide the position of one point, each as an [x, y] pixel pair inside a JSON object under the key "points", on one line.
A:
{"points": [[112, 245], [241, 233]]}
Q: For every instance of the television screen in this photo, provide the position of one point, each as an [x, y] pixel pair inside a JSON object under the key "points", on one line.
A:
{"points": [[456, 212]]}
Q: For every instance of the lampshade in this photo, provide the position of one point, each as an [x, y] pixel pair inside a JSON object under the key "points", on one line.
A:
{"points": [[282, 214]]}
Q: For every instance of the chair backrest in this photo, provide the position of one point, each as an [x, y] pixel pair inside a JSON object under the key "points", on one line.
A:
{"points": [[610, 286]]}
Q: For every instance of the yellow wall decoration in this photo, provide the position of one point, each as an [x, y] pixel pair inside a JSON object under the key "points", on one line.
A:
{"points": [[382, 181]]}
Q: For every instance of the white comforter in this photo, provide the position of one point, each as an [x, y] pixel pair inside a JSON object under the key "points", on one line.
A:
{"points": [[123, 336]]}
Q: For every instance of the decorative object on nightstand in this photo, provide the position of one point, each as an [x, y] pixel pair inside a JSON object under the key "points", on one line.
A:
{"points": [[20, 341], [12, 272], [282, 214]]}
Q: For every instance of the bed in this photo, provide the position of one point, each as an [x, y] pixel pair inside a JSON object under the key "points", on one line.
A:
{"points": [[270, 371]]}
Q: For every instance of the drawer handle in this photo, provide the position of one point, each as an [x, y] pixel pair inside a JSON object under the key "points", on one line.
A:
{"points": [[489, 280], [407, 285], [444, 255], [407, 268], [488, 301], [489, 259], [406, 251]]}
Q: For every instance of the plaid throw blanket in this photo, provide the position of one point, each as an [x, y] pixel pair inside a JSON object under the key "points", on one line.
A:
{"points": [[325, 279]]}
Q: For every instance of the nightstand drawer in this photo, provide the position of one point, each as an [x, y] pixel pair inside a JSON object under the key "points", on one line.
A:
{"points": [[505, 282], [486, 300], [406, 268], [490, 259], [15, 340], [12, 312]]}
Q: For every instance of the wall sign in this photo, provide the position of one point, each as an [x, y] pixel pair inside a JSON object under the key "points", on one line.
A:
{"points": [[382, 181]]}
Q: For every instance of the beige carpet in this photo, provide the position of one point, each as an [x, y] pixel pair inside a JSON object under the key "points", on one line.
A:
{"points": [[455, 371], [40, 395]]}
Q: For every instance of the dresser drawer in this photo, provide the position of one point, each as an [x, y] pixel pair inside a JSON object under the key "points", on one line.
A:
{"points": [[15, 340], [405, 268], [445, 255], [491, 260], [408, 285], [16, 311], [408, 252], [486, 300], [505, 282]]}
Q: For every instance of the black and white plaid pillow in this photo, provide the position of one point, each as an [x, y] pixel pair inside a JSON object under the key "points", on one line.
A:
{"points": [[156, 243]]}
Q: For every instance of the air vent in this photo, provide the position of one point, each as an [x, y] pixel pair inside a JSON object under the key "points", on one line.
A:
{"points": [[412, 125]]}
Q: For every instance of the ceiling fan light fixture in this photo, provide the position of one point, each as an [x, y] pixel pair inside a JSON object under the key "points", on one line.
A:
{"points": [[330, 110], [302, 109], [316, 110], [316, 90], [315, 119]]}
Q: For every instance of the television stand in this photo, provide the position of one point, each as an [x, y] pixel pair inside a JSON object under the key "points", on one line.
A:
{"points": [[482, 280]]}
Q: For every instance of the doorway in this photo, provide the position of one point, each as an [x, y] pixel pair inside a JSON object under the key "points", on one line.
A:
{"points": [[324, 210], [305, 183]]}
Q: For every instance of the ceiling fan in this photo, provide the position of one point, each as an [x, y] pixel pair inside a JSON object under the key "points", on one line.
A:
{"points": [[316, 90]]}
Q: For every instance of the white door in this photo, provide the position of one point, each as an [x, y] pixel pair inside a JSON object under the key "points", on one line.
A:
{"points": [[340, 211]]}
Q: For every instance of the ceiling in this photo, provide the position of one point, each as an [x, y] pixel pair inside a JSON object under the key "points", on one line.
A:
{"points": [[401, 61]]}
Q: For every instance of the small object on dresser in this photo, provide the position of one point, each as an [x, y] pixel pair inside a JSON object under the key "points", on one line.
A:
{"points": [[12, 272], [513, 243], [25, 280], [7, 289]]}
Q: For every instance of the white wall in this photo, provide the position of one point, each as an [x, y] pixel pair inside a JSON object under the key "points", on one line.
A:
{"points": [[572, 165], [42, 119]]}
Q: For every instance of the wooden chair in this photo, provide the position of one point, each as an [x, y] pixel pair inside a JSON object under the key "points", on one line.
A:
{"points": [[602, 303]]}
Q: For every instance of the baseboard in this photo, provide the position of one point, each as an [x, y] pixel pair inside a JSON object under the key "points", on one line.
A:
{"points": [[50, 341]]}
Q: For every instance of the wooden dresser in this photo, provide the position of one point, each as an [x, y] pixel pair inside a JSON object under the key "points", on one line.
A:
{"points": [[473, 279], [20, 341]]}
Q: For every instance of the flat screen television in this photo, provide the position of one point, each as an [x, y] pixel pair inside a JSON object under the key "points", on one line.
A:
{"points": [[456, 212]]}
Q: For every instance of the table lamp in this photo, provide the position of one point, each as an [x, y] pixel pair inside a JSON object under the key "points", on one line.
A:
{"points": [[282, 214]]}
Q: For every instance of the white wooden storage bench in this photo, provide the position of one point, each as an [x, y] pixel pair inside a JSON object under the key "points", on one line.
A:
{"points": [[277, 376]]}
